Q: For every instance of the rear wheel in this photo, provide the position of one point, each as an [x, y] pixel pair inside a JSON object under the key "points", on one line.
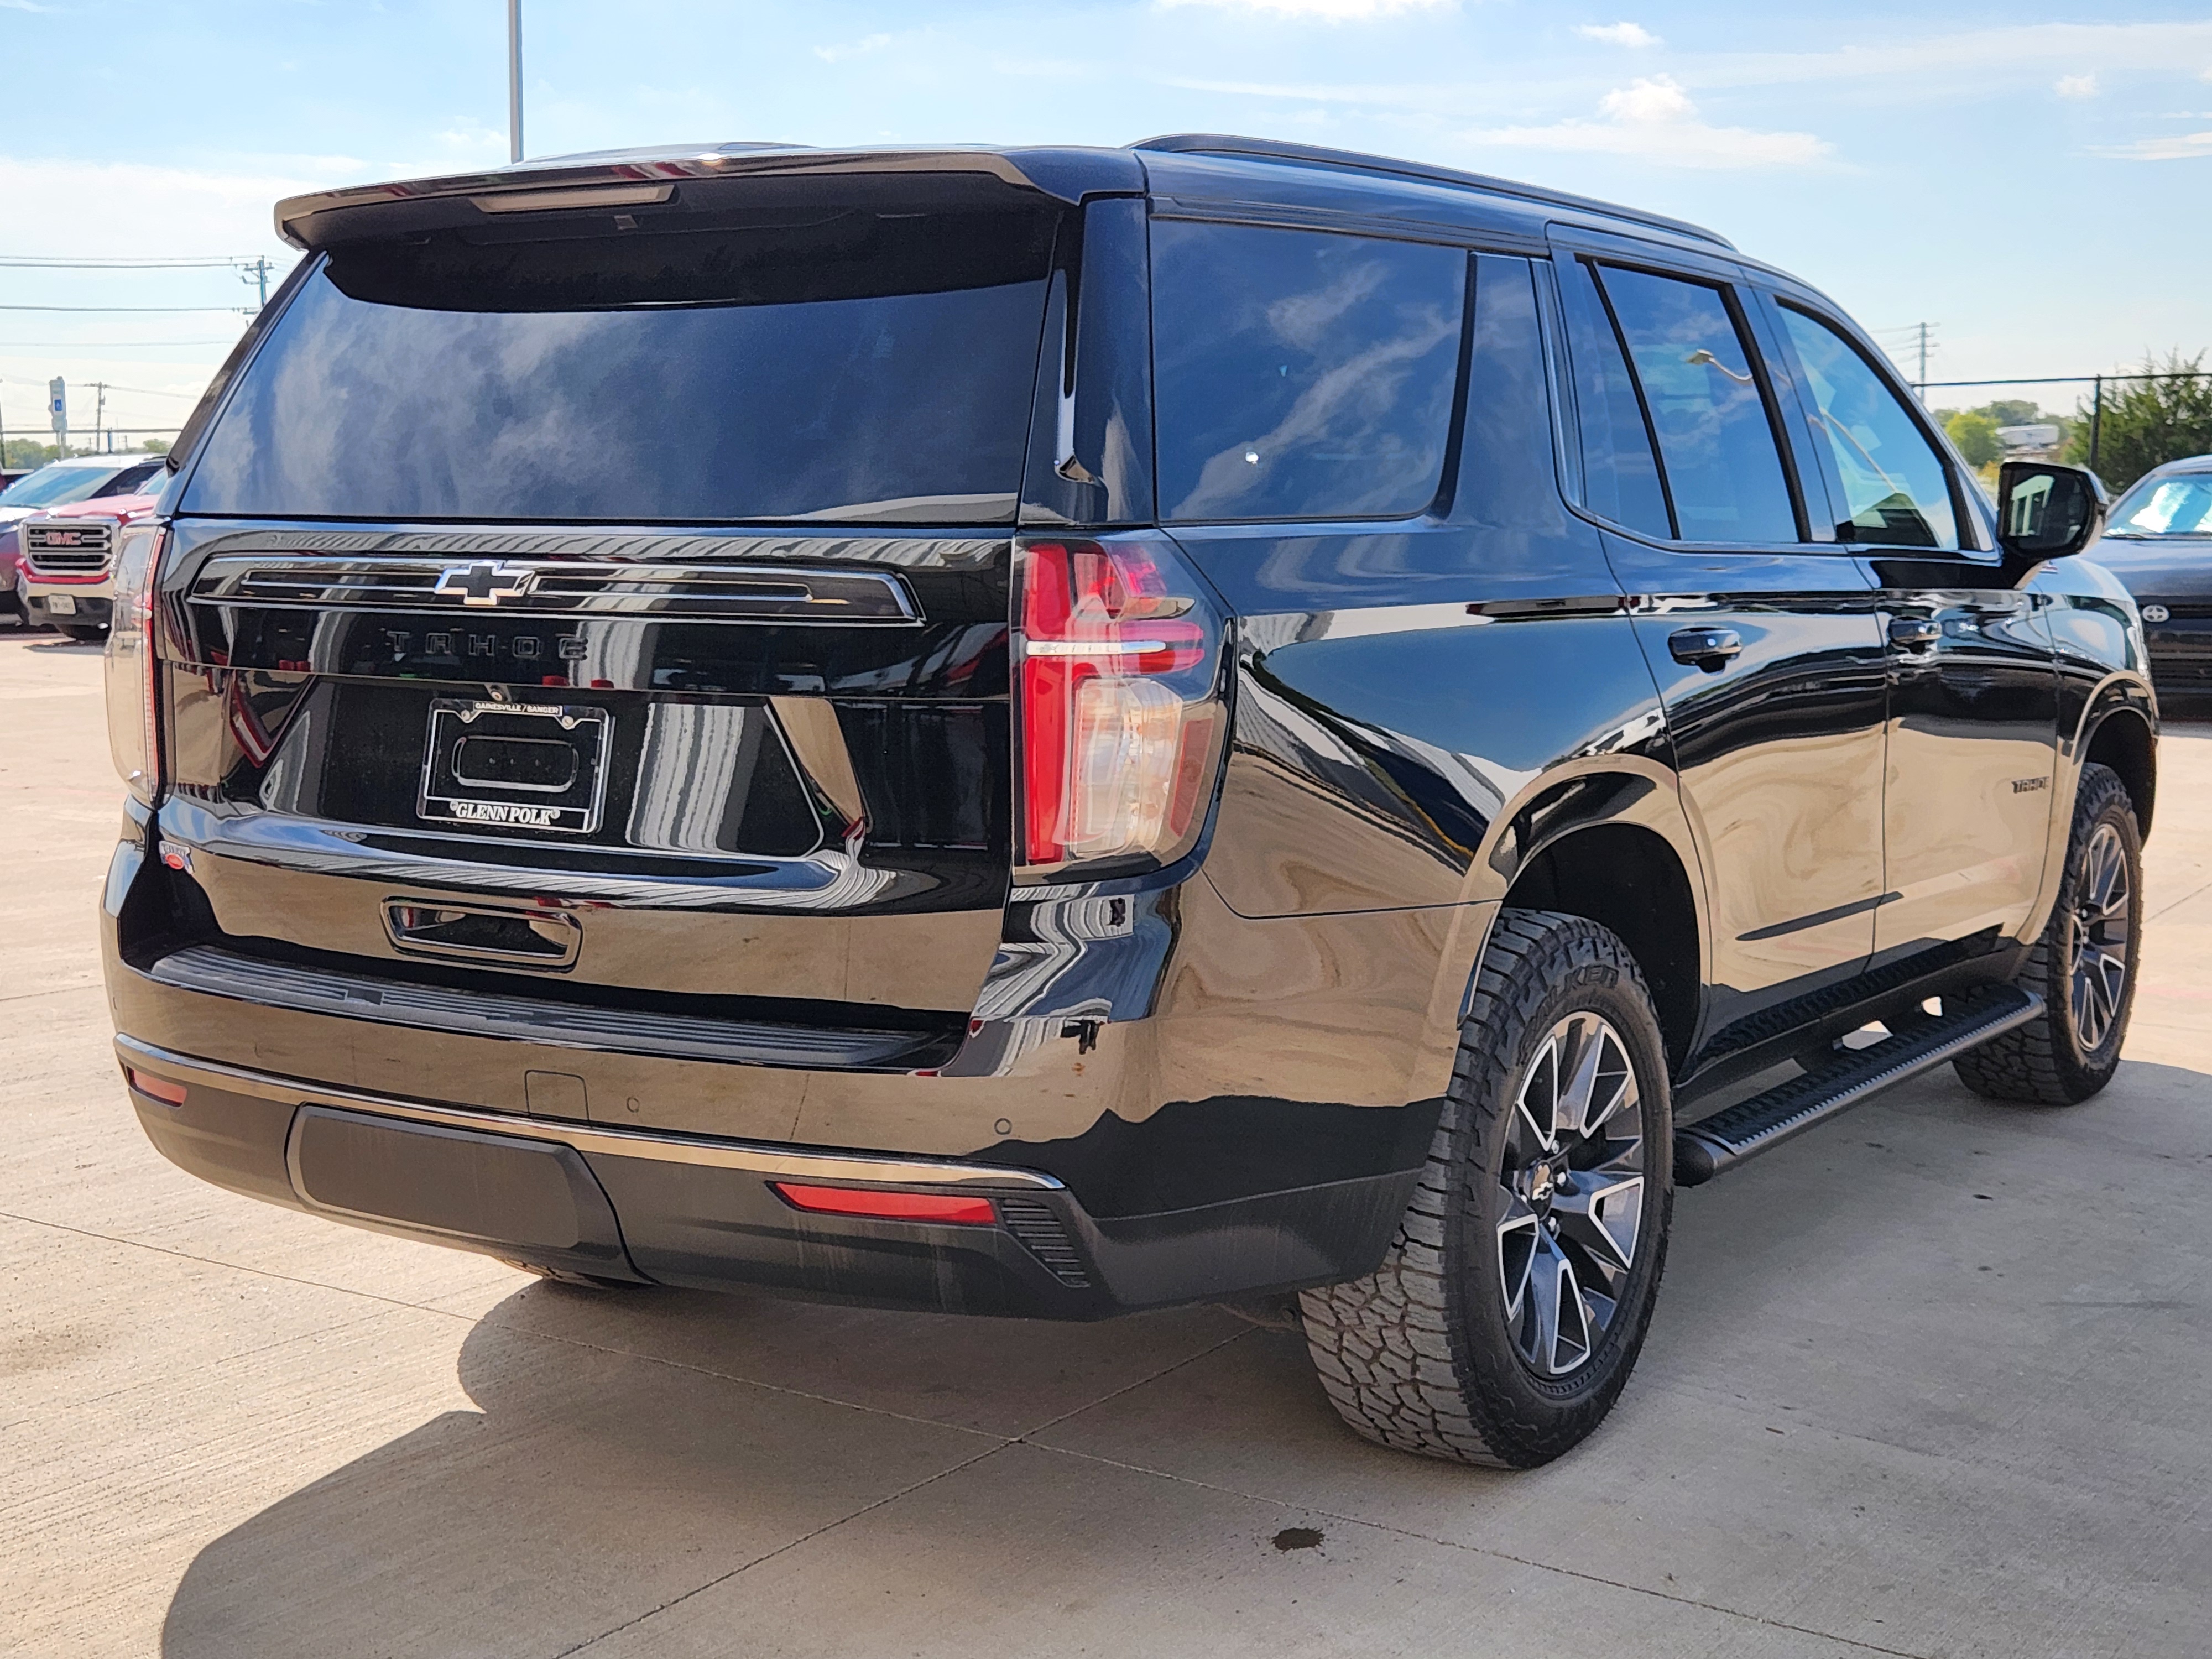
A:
{"points": [[1511, 1309], [2083, 967]]}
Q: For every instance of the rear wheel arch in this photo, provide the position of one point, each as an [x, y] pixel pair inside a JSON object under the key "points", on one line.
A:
{"points": [[1630, 879]]}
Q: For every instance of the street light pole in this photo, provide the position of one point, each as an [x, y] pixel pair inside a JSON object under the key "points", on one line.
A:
{"points": [[514, 80]]}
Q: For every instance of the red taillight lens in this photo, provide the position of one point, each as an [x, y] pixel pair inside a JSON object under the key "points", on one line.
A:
{"points": [[1119, 708], [155, 1088], [876, 1204], [134, 730]]}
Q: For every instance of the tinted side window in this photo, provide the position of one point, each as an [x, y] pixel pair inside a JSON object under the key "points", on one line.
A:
{"points": [[1301, 375], [1895, 489], [1620, 478], [1723, 473]]}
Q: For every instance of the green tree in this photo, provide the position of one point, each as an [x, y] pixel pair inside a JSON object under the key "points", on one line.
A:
{"points": [[24, 454], [2147, 422], [1976, 435]]}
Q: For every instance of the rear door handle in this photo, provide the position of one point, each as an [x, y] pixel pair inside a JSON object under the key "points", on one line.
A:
{"points": [[1914, 632], [1709, 648]]}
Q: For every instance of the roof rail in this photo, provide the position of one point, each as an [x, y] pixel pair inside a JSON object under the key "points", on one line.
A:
{"points": [[1268, 149]]}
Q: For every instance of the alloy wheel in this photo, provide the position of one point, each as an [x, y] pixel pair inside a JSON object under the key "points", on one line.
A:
{"points": [[1572, 1194], [2103, 926]]}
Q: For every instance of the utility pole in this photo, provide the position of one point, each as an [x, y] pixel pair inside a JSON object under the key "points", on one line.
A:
{"points": [[2096, 421], [255, 272], [1924, 360], [514, 80], [98, 412]]}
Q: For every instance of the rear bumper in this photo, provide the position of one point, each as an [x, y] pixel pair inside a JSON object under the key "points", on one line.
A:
{"points": [[700, 1212]]}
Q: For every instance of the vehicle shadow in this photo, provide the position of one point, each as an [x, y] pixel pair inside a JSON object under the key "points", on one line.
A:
{"points": [[627, 1449]]}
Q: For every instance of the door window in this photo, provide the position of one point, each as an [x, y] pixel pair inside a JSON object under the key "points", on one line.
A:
{"points": [[1723, 473], [1896, 492], [1302, 374], [1620, 476]]}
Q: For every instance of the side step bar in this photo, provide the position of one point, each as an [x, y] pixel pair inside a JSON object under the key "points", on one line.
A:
{"points": [[1717, 1144]]}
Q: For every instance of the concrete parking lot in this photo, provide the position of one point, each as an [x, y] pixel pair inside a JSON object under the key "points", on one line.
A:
{"points": [[1930, 1380]]}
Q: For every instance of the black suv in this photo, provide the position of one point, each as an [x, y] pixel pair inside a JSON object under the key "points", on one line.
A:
{"points": [[1051, 731]]}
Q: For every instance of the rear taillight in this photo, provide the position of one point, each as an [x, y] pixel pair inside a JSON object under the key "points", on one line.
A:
{"points": [[1120, 711], [134, 733]]}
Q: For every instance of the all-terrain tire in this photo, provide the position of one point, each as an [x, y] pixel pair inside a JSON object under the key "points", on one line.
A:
{"points": [[1425, 1354], [2046, 1062]]}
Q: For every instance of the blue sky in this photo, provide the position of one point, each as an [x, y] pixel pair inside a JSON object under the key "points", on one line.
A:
{"points": [[2034, 180]]}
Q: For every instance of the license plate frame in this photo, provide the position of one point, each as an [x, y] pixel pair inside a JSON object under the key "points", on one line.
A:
{"points": [[61, 605], [450, 794]]}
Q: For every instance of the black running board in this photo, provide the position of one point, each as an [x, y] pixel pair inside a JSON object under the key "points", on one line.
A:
{"points": [[1737, 1133]]}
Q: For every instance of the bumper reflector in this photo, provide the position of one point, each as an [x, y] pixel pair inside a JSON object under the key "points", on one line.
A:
{"points": [[881, 1206], [156, 1088]]}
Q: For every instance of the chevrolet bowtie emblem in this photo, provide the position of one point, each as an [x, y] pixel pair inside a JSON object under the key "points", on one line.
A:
{"points": [[485, 584]]}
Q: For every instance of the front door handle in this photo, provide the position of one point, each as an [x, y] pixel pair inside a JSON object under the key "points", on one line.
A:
{"points": [[1913, 633], [1709, 648]]}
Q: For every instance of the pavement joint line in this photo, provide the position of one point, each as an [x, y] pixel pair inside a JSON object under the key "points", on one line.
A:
{"points": [[621, 1352], [2194, 892], [234, 1266], [50, 991], [1496, 1554], [785, 1547], [1021, 1439]]}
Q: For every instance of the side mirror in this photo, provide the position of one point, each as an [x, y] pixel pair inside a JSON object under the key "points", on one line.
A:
{"points": [[2047, 511]]}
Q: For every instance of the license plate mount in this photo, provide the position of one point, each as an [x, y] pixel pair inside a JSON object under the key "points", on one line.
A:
{"points": [[515, 765], [61, 605]]}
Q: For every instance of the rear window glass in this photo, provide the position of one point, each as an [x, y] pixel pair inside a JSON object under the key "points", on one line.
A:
{"points": [[1723, 473], [862, 367], [1302, 374]]}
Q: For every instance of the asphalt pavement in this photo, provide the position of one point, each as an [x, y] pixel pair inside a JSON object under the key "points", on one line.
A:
{"points": [[1930, 1381]]}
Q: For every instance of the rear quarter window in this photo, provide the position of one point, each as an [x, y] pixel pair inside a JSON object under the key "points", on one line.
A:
{"points": [[1302, 374]]}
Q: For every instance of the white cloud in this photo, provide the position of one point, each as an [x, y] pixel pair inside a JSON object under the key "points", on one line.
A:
{"points": [[866, 43], [1654, 118], [22, 5], [1619, 34], [2026, 47], [2180, 148], [1329, 11], [123, 209], [2075, 86]]}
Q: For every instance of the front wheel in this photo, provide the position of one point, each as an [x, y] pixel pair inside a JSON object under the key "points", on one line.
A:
{"points": [[83, 633], [2083, 967], [1515, 1297]]}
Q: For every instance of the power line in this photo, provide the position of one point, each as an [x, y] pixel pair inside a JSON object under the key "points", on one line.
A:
{"points": [[242, 311], [146, 391], [36, 262], [102, 345]]}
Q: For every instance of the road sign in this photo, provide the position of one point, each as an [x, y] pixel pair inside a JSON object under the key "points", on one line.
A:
{"points": [[58, 406]]}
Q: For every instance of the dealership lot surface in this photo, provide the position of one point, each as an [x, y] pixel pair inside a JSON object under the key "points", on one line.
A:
{"points": [[1930, 1380]]}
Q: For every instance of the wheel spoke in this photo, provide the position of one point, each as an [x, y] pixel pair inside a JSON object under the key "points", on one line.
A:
{"points": [[1600, 1084], [1539, 1105], [1603, 1219], [1559, 1334], [1516, 1249]]}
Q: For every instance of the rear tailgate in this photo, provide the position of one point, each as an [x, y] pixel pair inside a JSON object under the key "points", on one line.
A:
{"points": [[622, 618]]}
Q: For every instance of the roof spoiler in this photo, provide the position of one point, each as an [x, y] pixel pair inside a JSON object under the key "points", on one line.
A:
{"points": [[617, 179], [1265, 149]]}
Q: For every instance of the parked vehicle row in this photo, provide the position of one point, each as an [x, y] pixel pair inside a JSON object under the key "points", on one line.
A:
{"points": [[1057, 731], [56, 526]]}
